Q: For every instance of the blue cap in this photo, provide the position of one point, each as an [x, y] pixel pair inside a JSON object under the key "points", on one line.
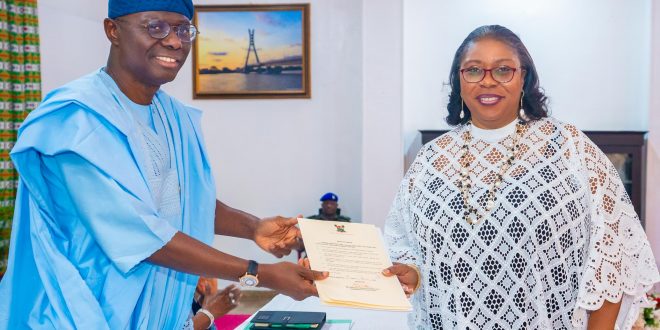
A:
{"points": [[117, 8], [329, 197]]}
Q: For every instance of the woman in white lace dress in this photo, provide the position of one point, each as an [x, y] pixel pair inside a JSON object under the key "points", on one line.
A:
{"points": [[514, 220]]}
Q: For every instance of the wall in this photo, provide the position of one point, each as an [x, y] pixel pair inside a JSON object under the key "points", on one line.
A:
{"points": [[653, 151], [382, 161], [72, 40], [592, 57], [279, 156], [269, 157]]}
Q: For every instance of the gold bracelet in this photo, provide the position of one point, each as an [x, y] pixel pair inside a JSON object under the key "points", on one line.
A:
{"points": [[419, 277]]}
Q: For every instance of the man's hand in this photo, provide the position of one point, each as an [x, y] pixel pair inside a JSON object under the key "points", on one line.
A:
{"points": [[407, 276], [277, 235], [290, 279]]}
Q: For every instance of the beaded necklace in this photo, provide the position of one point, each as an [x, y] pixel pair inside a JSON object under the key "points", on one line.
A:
{"points": [[470, 213]]}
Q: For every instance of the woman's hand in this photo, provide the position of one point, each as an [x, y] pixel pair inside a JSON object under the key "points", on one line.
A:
{"points": [[218, 304], [407, 276], [221, 302]]}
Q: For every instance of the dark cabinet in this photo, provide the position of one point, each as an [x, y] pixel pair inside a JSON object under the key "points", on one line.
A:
{"points": [[626, 150]]}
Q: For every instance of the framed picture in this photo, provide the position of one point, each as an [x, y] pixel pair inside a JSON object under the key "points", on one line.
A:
{"points": [[251, 51]]}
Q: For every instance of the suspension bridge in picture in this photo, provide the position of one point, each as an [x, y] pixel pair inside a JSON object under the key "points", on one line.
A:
{"points": [[287, 64]]}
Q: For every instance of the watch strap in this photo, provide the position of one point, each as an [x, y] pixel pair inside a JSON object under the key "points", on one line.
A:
{"points": [[253, 268]]}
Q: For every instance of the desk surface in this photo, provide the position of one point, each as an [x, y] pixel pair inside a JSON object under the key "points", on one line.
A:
{"points": [[363, 319]]}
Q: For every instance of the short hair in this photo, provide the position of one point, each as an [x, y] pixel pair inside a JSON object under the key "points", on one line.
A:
{"points": [[534, 99]]}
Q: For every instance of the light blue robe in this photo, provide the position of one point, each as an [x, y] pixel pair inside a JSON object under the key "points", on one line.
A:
{"points": [[77, 261]]}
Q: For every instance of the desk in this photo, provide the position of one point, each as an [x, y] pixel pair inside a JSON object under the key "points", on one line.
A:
{"points": [[364, 319]]}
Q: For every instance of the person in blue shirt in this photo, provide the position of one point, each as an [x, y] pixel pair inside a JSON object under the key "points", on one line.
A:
{"points": [[116, 205]]}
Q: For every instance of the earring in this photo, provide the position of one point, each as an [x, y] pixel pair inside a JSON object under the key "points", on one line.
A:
{"points": [[462, 114], [522, 113]]}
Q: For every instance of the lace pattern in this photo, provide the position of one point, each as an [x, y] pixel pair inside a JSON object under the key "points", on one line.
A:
{"points": [[162, 178], [563, 235]]}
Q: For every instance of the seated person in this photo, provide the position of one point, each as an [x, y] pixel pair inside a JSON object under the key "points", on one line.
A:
{"points": [[211, 301], [330, 209]]}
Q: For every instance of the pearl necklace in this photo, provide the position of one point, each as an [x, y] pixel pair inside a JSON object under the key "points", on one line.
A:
{"points": [[471, 214]]}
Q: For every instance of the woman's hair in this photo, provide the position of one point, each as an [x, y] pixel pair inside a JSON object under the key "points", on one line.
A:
{"points": [[534, 100]]}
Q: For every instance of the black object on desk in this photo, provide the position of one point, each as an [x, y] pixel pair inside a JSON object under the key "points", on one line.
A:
{"points": [[281, 320]]}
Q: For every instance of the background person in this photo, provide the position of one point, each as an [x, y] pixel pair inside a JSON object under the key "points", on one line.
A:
{"points": [[330, 209]]}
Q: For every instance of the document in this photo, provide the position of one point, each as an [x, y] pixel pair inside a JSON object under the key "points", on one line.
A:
{"points": [[355, 256]]}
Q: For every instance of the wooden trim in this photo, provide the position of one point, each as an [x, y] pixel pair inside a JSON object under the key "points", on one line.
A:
{"points": [[306, 91]]}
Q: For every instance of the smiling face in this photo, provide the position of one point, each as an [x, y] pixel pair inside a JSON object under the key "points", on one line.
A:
{"points": [[145, 59], [492, 104]]}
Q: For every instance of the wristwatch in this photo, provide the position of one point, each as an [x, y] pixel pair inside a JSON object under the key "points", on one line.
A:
{"points": [[251, 278]]}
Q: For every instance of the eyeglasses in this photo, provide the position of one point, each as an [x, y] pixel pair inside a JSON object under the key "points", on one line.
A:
{"points": [[160, 30], [502, 74]]}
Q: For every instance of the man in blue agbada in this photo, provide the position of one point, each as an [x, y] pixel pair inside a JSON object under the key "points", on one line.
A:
{"points": [[116, 202]]}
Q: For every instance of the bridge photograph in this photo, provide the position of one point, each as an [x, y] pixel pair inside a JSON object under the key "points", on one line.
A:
{"points": [[251, 51]]}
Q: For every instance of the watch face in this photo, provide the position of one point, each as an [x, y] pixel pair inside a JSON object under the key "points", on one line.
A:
{"points": [[249, 280]]}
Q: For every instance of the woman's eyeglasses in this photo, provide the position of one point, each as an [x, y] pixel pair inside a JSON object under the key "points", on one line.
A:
{"points": [[502, 74]]}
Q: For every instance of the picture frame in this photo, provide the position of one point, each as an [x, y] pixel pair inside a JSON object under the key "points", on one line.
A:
{"points": [[252, 51]]}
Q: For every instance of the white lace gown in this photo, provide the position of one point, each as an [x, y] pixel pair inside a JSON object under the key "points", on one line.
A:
{"points": [[562, 238]]}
